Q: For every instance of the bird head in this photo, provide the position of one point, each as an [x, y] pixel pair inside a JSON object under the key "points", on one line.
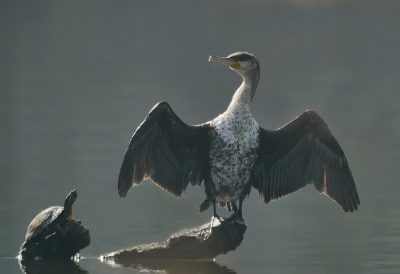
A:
{"points": [[243, 63]]}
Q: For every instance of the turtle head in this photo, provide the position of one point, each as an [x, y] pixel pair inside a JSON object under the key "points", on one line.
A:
{"points": [[71, 198]]}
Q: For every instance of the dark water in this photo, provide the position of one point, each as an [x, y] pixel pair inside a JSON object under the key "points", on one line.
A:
{"points": [[77, 78]]}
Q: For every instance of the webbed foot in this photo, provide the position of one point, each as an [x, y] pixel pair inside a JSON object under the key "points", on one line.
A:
{"points": [[216, 220], [235, 217]]}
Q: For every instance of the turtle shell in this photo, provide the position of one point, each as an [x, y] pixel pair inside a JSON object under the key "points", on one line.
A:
{"points": [[42, 221], [46, 221]]}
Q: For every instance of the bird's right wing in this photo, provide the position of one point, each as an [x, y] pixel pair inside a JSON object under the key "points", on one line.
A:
{"points": [[166, 150]]}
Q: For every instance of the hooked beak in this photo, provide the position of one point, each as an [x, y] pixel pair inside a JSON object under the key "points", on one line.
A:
{"points": [[224, 60]]}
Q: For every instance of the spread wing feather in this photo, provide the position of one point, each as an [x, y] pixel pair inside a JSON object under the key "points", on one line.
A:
{"points": [[303, 152], [166, 150]]}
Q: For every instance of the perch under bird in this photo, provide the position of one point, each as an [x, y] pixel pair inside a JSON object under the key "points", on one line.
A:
{"points": [[232, 153]]}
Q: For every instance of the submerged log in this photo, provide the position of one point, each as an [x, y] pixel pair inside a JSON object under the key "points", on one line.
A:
{"points": [[58, 245], [200, 243]]}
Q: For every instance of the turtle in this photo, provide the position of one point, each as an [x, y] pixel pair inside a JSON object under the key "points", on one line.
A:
{"points": [[49, 221]]}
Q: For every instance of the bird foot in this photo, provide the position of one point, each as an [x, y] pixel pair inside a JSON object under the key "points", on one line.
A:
{"points": [[236, 217], [216, 221]]}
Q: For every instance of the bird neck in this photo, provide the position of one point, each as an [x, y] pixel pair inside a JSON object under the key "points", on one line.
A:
{"points": [[245, 93]]}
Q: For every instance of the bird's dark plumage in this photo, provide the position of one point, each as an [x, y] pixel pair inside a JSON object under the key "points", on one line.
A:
{"points": [[303, 152], [166, 150], [232, 153]]}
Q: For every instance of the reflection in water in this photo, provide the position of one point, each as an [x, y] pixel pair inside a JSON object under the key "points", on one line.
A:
{"points": [[177, 267], [51, 267]]}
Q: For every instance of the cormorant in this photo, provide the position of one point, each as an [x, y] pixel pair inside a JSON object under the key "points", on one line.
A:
{"points": [[233, 153]]}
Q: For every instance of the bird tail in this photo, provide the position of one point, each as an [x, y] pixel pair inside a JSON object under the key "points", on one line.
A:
{"points": [[205, 205]]}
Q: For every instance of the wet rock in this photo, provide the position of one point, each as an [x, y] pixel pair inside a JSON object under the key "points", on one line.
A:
{"points": [[200, 243]]}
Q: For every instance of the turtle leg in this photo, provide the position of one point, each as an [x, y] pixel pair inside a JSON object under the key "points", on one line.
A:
{"points": [[62, 232]]}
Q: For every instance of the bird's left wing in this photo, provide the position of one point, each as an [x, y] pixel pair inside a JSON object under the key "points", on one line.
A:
{"points": [[166, 150], [303, 152]]}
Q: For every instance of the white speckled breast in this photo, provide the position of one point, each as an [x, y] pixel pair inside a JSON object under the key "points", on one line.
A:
{"points": [[233, 152]]}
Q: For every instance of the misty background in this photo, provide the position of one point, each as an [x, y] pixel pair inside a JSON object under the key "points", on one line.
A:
{"points": [[78, 77]]}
